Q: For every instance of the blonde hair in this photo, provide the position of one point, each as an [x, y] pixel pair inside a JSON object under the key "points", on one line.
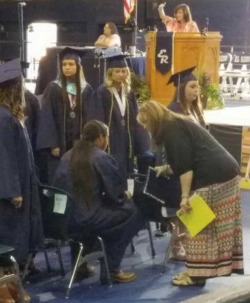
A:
{"points": [[156, 115], [110, 83]]}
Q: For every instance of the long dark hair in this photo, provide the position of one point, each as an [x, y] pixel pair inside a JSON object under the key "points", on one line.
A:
{"points": [[196, 104], [81, 166], [79, 74]]}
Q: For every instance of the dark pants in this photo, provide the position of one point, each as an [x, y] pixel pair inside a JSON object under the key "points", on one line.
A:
{"points": [[117, 225]]}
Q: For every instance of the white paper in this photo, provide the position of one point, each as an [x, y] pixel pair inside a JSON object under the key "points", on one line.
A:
{"points": [[131, 186], [60, 203]]}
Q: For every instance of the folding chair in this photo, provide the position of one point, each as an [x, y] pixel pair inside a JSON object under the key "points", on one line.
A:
{"points": [[141, 178], [7, 259], [56, 211]]}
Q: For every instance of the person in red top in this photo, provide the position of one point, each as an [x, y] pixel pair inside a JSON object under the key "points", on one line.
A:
{"points": [[182, 21]]}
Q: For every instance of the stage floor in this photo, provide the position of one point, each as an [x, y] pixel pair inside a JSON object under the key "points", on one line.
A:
{"points": [[235, 112]]}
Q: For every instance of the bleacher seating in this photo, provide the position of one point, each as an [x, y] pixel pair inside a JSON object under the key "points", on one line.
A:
{"points": [[234, 74]]}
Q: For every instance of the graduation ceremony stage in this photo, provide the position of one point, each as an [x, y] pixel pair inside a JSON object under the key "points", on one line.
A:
{"points": [[151, 285], [231, 127]]}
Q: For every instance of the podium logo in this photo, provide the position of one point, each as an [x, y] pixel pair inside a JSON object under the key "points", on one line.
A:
{"points": [[163, 56]]}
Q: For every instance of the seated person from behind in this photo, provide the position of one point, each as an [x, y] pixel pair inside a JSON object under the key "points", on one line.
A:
{"points": [[101, 206], [110, 37], [182, 21], [91, 176]]}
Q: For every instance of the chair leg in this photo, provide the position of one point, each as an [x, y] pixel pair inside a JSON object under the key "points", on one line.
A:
{"points": [[105, 261], [151, 240], [157, 225], [47, 260], [168, 252], [58, 250], [132, 247], [26, 266], [74, 270]]}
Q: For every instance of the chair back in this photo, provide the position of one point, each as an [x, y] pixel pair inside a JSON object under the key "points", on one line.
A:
{"points": [[56, 205], [144, 161]]}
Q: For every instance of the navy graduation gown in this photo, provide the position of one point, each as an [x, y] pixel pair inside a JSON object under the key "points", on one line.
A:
{"points": [[54, 118], [111, 211], [19, 227], [56, 128], [126, 141], [31, 112]]}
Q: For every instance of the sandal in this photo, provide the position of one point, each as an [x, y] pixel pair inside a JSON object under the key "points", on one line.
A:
{"points": [[180, 275], [188, 281]]}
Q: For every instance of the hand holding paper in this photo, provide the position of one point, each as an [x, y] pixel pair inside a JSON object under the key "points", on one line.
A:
{"points": [[185, 205], [198, 217]]}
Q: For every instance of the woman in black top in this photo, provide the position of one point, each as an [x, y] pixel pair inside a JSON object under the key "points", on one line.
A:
{"points": [[204, 166]]}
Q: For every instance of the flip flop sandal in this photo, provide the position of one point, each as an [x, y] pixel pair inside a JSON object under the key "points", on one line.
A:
{"points": [[188, 281], [180, 276]]}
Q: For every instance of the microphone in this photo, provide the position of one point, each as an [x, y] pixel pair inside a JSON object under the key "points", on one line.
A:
{"points": [[207, 23], [205, 28]]}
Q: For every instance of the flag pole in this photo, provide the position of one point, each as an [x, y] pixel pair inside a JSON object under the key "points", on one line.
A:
{"points": [[135, 27]]}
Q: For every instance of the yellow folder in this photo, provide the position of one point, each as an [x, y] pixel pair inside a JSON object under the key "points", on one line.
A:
{"points": [[198, 217], [245, 183]]}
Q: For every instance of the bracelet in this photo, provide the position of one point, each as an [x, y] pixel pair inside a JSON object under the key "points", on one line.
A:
{"points": [[183, 196]]}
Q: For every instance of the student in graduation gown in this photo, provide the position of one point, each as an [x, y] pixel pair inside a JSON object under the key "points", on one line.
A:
{"points": [[205, 167], [64, 110], [20, 214], [117, 107], [100, 204], [187, 97]]}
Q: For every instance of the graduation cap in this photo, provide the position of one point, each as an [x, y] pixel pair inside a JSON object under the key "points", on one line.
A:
{"points": [[117, 61], [72, 53], [182, 77], [10, 70]]}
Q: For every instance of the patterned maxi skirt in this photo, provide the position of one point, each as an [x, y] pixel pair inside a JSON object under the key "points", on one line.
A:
{"points": [[218, 249]]}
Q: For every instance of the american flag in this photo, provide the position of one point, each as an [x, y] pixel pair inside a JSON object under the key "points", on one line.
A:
{"points": [[129, 6]]}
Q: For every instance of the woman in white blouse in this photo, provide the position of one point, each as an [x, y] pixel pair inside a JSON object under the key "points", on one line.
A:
{"points": [[110, 37]]}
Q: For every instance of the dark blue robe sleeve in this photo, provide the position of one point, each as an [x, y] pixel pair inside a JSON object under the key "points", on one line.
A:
{"points": [[87, 99], [9, 175], [107, 169], [47, 134], [141, 137], [102, 104]]}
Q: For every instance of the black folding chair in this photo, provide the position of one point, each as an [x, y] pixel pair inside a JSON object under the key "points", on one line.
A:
{"points": [[140, 181], [7, 259], [141, 178], [56, 207]]}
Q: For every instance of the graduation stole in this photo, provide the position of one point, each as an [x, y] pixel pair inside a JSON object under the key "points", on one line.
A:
{"points": [[128, 119]]}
